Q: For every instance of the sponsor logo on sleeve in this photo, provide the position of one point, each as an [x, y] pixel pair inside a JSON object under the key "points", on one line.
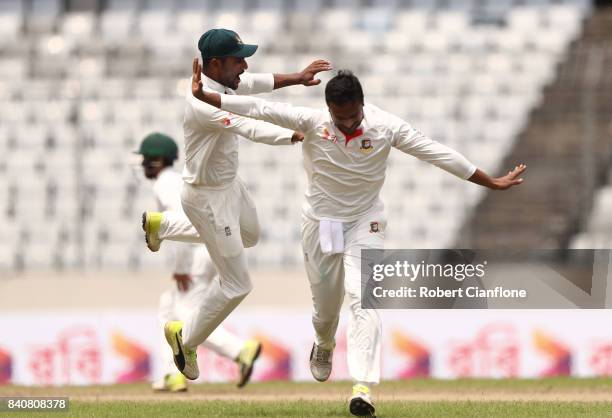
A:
{"points": [[227, 121], [327, 136]]}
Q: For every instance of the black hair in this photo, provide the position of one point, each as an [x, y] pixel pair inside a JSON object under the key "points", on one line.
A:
{"points": [[343, 88]]}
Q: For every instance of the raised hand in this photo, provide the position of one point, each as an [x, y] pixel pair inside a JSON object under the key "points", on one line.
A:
{"points": [[307, 75], [196, 80]]}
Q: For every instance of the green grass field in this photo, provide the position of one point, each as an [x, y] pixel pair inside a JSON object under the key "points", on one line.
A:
{"points": [[414, 398]]}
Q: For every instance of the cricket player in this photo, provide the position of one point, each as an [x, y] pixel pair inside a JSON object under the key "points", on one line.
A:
{"points": [[219, 208], [346, 147], [193, 271]]}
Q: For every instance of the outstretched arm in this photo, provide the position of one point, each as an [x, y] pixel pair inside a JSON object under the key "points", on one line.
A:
{"points": [[513, 178], [306, 77], [281, 114], [253, 130], [253, 83], [413, 142]]}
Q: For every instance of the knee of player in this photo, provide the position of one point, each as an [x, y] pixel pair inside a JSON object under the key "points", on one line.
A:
{"points": [[247, 288], [250, 240], [241, 290], [355, 304], [359, 312], [353, 295]]}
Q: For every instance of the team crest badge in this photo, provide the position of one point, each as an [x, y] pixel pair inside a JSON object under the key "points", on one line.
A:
{"points": [[374, 227], [228, 231], [366, 146]]}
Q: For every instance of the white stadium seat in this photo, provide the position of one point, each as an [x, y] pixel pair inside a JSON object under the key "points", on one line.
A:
{"points": [[79, 93], [10, 26], [116, 25], [78, 26], [154, 22]]}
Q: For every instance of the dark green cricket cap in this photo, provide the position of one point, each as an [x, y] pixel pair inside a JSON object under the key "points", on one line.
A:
{"points": [[159, 145], [218, 43]]}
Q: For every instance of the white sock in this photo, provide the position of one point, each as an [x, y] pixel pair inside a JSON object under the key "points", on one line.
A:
{"points": [[366, 384]]}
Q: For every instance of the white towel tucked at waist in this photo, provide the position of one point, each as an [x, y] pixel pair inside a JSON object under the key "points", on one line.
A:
{"points": [[331, 236]]}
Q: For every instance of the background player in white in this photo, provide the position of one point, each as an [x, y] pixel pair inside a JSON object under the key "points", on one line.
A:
{"points": [[193, 271], [346, 147], [214, 198]]}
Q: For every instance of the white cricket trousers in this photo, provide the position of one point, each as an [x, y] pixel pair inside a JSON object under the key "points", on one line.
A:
{"points": [[176, 226], [226, 221], [333, 275], [176, 306]]}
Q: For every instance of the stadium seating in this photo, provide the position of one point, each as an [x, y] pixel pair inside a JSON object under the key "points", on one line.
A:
{"points": [[79, 89]]}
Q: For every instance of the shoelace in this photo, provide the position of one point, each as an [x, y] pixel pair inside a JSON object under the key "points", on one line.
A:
{"points": [[322, 356]]}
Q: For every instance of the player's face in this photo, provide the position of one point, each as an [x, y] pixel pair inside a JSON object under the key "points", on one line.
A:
{"points": [[347, 116], [152, 166], [231, 68]]}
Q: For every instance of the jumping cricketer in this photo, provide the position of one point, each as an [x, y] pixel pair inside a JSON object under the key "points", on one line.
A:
{"points": [[193, 271]]}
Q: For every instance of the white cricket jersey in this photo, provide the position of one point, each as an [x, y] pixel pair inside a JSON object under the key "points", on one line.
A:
{"points": [[346, 174], [189, 258], [211, 135], [167, 188]]}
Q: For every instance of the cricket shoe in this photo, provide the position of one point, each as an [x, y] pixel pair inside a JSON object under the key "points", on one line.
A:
{"points": [[321, 362], [186, 360], [151, 222], [361, 404], [171, 383], [246, 360]]}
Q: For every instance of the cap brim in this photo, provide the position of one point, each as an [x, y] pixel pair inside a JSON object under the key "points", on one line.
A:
{"points": [[244, 51]]}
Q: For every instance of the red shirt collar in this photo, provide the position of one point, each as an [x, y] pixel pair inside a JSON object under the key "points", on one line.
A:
{"points": [[358, 132]]}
